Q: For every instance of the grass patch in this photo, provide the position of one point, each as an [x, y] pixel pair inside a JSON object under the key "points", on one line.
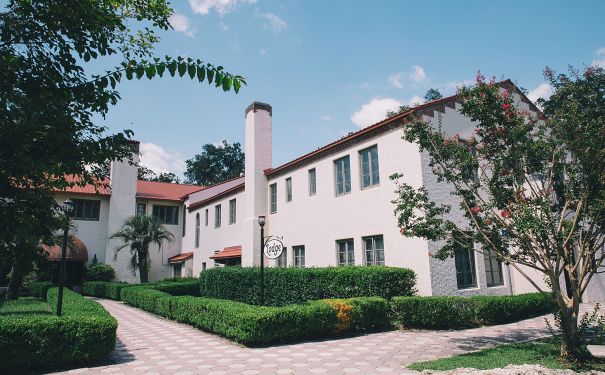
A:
{"points": [[25, 307], [542, 352]]}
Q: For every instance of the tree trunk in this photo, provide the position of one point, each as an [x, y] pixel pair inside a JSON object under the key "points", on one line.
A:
{"points": [[569, 309], [143, 267], [14, 285]]}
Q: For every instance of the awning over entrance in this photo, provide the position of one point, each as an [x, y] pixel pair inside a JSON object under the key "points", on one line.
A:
{"points": [[76, 251], [228, 253], [180, 258]]}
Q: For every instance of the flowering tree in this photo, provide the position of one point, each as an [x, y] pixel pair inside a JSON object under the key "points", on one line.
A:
{"points": [[537, 177]]}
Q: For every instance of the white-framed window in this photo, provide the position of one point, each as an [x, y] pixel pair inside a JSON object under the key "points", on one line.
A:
{"points": [[342, 170], [184, 221], [299, 255], [86, 209], [282, 261], [217, 216], [464, 257], [374, 250], [141, 209], [166, 214], [368, 159], [197, 230], [289, 189], [232, 211], [204, 266], [346, 252], [312, 182], [273, 193], [206, 218], [493, 268]]}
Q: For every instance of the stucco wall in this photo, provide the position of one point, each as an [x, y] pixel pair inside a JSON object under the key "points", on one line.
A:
{"points": [[318, 221]]}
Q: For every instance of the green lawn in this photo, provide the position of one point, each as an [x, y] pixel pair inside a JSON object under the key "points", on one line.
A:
{"points": [[543, 352], [25, 306]]}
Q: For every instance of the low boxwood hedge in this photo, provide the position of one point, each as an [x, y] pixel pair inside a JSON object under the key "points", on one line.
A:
{"points": [[284, 286], [104, 289], [175, 287], [38, 339], [360, 313], [444, 312], [151, 300], [39, 289]]}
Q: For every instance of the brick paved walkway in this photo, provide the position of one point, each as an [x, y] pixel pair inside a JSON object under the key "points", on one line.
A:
{"points": [[151, 345]]}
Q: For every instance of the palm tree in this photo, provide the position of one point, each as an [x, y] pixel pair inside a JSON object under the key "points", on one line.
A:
{"points": [[138, 232]]}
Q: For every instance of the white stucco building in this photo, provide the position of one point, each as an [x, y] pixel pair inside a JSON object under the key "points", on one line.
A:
{"points": [[332, 207]]}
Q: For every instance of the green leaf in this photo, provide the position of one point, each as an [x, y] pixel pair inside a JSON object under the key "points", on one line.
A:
{"points": [[139, 70], [201, 73], [210, 75], [86, 56], [236, 85], [182, 68], [161, 67], [218, 79], [129, 73], [104, 82], [150, 71], [227, 82], [191, 69], [172, 67], [112, 81]]}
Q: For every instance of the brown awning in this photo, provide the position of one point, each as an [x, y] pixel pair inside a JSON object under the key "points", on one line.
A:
{"points": [[76, 251], [180, 258], [228, 253]]}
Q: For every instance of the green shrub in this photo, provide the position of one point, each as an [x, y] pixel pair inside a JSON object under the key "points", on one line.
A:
{"points": [[433, 312], [104, 289], [38, 289], [254, 324], [147, 299], [100, 272], [40, 339], [178, 280], [492, 310], [285, 286], [178, 288], [370, 312]]}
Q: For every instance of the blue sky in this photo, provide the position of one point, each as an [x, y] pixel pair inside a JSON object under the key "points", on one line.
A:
{"points": [[330, 67]]}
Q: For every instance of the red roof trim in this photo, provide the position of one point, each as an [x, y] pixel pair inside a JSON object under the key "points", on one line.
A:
{"points": [[228, 253], [234, 190], [180, 258]]}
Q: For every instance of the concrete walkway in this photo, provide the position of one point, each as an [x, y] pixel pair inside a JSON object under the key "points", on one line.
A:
{"points": [[148, 344]]}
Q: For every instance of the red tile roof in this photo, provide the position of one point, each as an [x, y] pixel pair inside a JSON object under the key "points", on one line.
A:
{"points": [[180, 258], [165, 190], [100, 187], [228, 252], [75, 253]]}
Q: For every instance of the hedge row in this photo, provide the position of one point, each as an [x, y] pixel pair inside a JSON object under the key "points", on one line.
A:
{"points": [[460, 312], [175, 287], [39, 289], [85, 332], [284, 286]]}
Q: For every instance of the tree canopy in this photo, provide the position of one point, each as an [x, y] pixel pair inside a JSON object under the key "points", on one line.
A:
{"points": [[51, 98], [216, 163], [531, 185]]}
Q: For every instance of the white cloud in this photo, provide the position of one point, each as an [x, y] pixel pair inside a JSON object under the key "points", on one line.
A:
{"points": [[221, 7], [544, 90], [414, 100], [160, 160], [417, 74], [326, 118], [599, 59], [374, 111], [181, 24], [272, 22]]}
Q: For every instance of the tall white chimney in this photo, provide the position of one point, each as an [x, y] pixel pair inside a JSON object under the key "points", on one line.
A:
{"points": [[122, 205], [258, 152]]}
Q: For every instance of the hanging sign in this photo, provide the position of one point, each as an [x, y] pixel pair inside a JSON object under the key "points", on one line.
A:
{"points": [[273, 248]]}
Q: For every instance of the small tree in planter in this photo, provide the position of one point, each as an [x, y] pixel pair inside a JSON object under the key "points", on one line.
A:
{"points": [[137, 233], [541, 180]]}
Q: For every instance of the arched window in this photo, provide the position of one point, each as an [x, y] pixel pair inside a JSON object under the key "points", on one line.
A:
{"points": [[197, 230]]}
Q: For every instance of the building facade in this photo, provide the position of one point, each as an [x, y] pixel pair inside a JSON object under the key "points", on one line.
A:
{"points": [[330, 207]]}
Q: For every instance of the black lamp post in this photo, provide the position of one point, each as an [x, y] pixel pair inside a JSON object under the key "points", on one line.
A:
{"points": [[68, 206], [261, 222]]}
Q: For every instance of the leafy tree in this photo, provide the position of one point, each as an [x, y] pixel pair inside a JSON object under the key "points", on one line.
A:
{"points": [[541, 181], [167, 177], [138, 233], [432, 94], [215, 164], [401, 109], [146, 174], [50, 96]]}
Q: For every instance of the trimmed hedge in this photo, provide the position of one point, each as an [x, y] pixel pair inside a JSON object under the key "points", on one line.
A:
{"points": [[151, 300], [284, 286], [250, 324], [177, 288], [104, 289], [100, 272], [461, 312], [85, 332], [39, 289], [360, 313]]}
